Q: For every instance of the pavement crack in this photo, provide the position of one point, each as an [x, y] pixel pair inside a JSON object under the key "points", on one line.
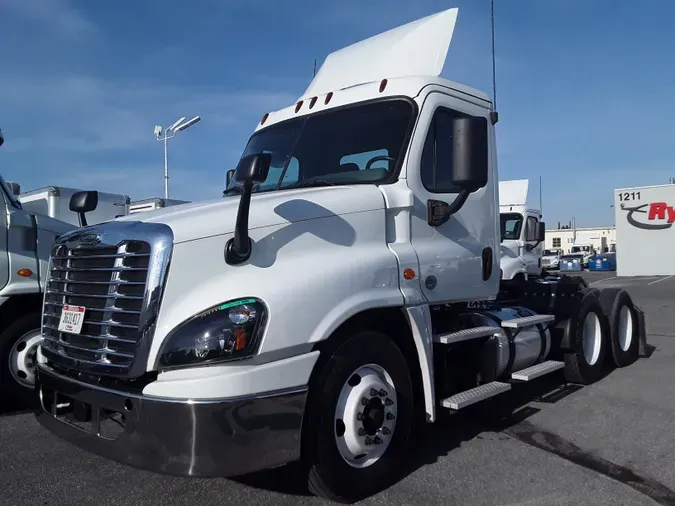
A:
{"points": [[527, 433]]}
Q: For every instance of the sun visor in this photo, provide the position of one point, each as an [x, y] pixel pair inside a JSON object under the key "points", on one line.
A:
{"points": [[418, 48]]}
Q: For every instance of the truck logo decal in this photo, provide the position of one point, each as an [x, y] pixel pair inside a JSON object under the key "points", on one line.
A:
{"points": [[89, 238], [657, 211]]}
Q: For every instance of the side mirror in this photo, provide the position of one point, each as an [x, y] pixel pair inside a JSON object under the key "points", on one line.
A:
{"points": [[228, 177], [83, 202], [470, 166], [540, 232], [253, 169], [470, 153]]}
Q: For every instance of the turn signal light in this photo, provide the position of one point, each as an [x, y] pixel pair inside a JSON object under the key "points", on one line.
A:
{"points": [[408, 274], [25, 273]]}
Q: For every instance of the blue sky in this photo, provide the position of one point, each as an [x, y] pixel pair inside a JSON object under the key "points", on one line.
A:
{"points": [[585, 89]]}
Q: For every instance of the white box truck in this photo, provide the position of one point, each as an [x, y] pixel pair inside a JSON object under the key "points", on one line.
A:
{"points": [[54, 201], [325, 317], [141, 206], [26, 239]]}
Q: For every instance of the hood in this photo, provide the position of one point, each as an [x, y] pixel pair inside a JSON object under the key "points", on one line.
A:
{"points": [[53, 225], [217, 217]]}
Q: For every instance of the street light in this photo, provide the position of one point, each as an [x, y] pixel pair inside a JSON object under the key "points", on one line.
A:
{"points": [[170, 133]]}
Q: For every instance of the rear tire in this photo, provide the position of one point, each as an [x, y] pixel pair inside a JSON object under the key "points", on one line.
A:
{"points": [[354, 450], [624, 339], [584, 365]]}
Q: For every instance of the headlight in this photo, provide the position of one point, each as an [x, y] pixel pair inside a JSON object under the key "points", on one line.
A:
{"points": [[229, 331]]}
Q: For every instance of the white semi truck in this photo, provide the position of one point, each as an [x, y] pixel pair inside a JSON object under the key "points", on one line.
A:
{"points": [[522, 232], [26, 240], [325, 317], [54, 201]]}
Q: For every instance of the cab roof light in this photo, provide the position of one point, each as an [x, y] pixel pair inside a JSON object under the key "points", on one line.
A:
{"points": [[328, 97], [383, 85], [264, 118], [298, 106]]}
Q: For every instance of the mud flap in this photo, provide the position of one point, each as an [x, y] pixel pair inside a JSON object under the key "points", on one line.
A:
{"points": [[642, 325]]}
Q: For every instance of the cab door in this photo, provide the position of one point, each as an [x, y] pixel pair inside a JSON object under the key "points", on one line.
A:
{"points": [[459, 259]]}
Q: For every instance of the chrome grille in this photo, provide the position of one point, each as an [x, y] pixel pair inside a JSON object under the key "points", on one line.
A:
{"points": [[119, 285]]}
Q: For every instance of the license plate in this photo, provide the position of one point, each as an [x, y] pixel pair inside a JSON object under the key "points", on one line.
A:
{"points": [[71, 320]]}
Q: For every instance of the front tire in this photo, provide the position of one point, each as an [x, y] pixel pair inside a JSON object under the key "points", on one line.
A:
{"points": [[359, 419], [18, 349]]}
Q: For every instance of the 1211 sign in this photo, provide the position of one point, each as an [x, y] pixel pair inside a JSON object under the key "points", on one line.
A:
{"points": [[627, 196]]}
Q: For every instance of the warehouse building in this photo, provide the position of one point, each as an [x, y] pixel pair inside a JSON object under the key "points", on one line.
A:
{"points": [[644, 230], [601, 238]]}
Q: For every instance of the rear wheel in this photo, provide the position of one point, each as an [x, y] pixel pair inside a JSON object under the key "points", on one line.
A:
{"points": [[624, 342], [359, 419], [589, 341], [18, 350]]}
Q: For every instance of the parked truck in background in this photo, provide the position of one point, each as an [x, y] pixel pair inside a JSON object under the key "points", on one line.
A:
{"points": [[550, 259], [54, 201], [141, 206], [326, 316], [26, 239], [522, 232]]}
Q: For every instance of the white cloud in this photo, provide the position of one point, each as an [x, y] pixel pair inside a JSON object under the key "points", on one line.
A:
{"points": [[59, 15]]}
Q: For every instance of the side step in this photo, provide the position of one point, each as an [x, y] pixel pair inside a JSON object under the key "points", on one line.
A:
{"points": [[537, 370], [527, 321], [466, 334], [482, 392]]}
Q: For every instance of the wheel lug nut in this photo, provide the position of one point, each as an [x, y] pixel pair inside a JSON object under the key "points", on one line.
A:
{"points": [[369, 441], [378, 441], [385, 431], [390, 416], [383, 393], [364, 401], [388, 402], [362, 431], [373, 392], [359, 416]]}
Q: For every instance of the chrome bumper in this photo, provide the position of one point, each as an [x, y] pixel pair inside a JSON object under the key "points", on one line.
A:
{"points": [[224, 437]]}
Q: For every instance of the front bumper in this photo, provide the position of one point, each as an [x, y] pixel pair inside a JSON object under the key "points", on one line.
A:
{"points": [[226, 437]]}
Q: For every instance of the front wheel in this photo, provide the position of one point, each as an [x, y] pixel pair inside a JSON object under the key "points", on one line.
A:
{"points": [[360, 413], [18, 350]]}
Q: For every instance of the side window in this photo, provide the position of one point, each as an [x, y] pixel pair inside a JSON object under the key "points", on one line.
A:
{"points": [[436, 163], [531, 228]]}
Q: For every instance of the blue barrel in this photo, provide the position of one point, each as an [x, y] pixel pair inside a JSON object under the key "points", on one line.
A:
{"points": [[604, 262], [571, 263]]}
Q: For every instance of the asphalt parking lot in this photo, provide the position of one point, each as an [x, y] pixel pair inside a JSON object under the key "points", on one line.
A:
{"points": [[608, 443]]}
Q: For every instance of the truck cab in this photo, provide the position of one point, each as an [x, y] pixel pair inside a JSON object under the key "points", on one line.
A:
{"points": [[521, 232], [585, 250], [25, 246], [324, 316]]}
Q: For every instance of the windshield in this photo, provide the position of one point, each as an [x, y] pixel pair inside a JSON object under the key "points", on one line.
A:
{"points": [[550, 252], [357, 144], [510, 224], [580, 249], [5, 188]]}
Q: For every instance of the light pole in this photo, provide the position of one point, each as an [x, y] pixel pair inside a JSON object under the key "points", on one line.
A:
{"points": [[170, 133]]}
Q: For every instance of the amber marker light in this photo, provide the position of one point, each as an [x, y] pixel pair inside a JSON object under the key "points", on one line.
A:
{"points": [[408, 274], [25, 273]]}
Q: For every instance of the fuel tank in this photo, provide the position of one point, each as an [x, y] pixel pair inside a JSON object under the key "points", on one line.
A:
{"points": [[512, 349]]}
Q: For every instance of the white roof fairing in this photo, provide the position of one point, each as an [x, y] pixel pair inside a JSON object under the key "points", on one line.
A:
{"points": [[418, 48]]}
